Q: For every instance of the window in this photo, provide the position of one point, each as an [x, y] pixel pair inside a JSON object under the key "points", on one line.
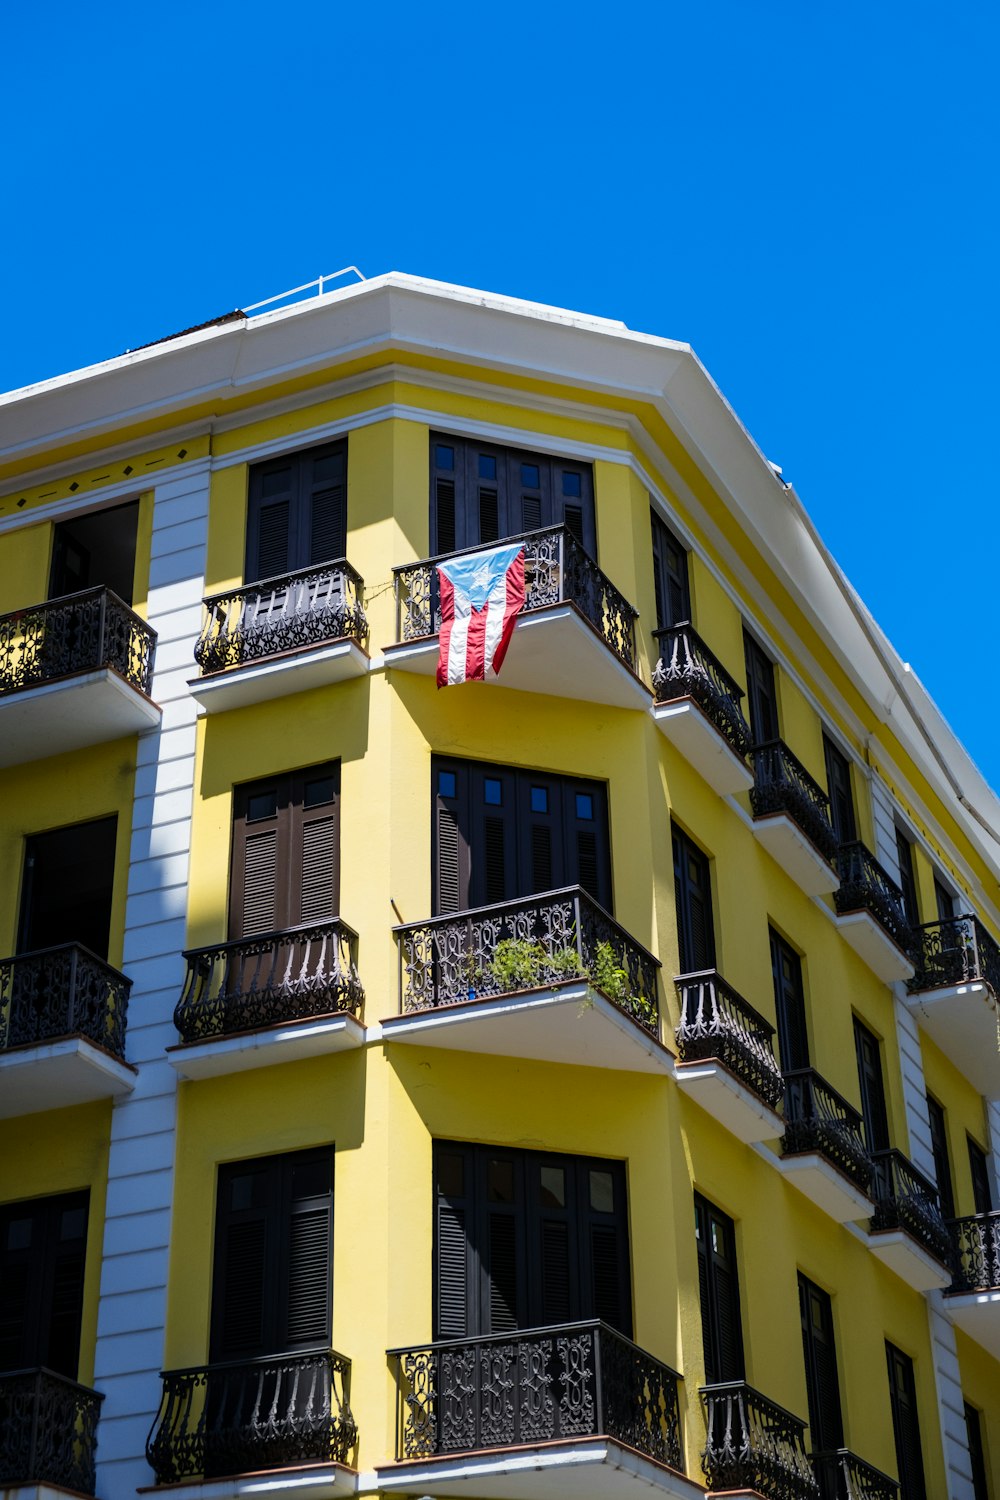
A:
{"points": [[272, 1281], [873, 1108], [95, 550], [826, 1426], [942, 1164], [905, 1425], [944, 900], [977, 1454], [286, 851], [838, 780], [907, 882], [979, 1167], [789, 1004], [67, 887], [719, 1290], [481, 493], [525, 1239], [670, 576], [297, 511], [693, 895], [762, 696], [43, 1248], [500, 833]]}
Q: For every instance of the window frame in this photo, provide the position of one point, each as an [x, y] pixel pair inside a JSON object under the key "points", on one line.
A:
{"points": [[723, 1347], [302, 491], [763, 709], [291, 820]]}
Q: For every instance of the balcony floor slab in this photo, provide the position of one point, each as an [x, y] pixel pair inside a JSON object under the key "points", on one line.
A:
{"points": [[573, 1023], [826, 1186], [70, 714], [54, 1075], [554, 651], [266, 1048], [692, 732], [902, 1254], [962, 1020], [595, 1469], [797, 855], [280, 676], [871, 942], [721, 1094], [978, 1315], [306, 1482]]}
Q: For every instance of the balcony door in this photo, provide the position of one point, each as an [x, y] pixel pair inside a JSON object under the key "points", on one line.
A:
{"points": [[95, 550], [481, 493], [982, 1195], [693, 898], [838, 781], [905, 1424], [286, 845], [872, 1085], [67, 887], [43, 1248], [526, 1239], [789, 1004], [826, 1425], [499, 834], [762, 693], [297, 512], [670, 576], [719, 1293]]}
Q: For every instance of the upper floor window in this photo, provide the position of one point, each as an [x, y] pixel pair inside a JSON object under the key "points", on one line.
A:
{"points": [[481, 493], [693, 896], [872, 1085], [907, 880], [942, 1161], [944, 900], [286, 851], [297, 511], [67, 888], [905, 1424], [789, 1004], [826, 1423], [96, 550], [43, 1248], [977, 1454], [838, 780], [719, 1292], [762, 694], [982, 1195], [670, 576]]}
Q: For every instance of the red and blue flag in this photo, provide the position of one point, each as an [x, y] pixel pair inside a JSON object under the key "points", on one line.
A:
{"points": [[481, 594]]}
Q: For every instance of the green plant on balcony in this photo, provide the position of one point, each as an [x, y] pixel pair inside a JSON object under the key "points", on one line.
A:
{"points": [[525, 963]]}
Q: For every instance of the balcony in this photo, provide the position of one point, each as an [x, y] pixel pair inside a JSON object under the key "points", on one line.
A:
{"points": [[73, 672], [953, 994], [823, 1152], [870, 913], [284, 1412], [727, 1063], [282, 635], [907, 1232], [753, 1444], [48, 1431], [792, 818], [575, 635], [697, 708], [575, 1411], [269, 999], [62, 1030], [551, 977], [842, 1475], [973, 1300]]}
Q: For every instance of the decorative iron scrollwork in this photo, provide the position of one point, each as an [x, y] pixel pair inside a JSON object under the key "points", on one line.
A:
{"points": [[905, 1199], [48, 1431], [865, 886], [817, 1118], [754, 1444], [65, 991], [953, 952], [843, 1475], [717, 1022], [975, 1254], [688, 669], [293, 612], [783, 785], [79, 633]]}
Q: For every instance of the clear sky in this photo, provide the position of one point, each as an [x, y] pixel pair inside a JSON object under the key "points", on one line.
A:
{"points": [[806, 192]]}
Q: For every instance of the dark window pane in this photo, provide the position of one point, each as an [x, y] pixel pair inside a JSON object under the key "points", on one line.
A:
{"points": [[19, 1234], [451, 1174], [500, 1180], [446, 783], [262, 805], [602, 1192], [444, 457], [241, 1192], [539, 799], [529, 476], [571, 484], [74, 1224], [584, 806], [319, 792], [492, 791], [487, 466], [553, 1187], [277, 482]]}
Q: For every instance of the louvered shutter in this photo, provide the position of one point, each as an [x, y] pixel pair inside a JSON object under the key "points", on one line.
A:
{"points": [[982, 1195], [826, 1428], [306, 1275], [670, 576], [762, 698], [708, 1334], [587, 857], [693, 898], [286, 851], [455, 1312], [603, 1239], [873, 1108], [324, 484], [244, 1250], [450, 848], [838, 780], [789, 1003], [719, 1291], [502, 1241], [939, 1150], [907, 883], [297, 512], [944, 901], [271, 517], [43, 1246], [481, 494], [905, 1425]]}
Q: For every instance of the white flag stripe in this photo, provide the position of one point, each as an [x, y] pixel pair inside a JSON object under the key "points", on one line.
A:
{"points": [[495, 611], [459, 643]]}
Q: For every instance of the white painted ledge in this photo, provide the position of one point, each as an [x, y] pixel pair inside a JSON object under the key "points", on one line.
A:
{"points": [[821, 1182], [962, 1020], [279, 677], [308, 1482], [692, 732], [597, 1469], [266, 1048], [871, 942], [978, 1315], [901, 1253], [796, 854], [55, 717], [54, 1075], [721, 1094]]}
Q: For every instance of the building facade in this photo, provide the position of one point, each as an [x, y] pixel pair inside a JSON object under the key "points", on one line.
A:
{"points": [[582, 1083]]}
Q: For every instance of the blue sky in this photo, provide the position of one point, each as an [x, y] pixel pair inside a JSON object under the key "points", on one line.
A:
{"points": [[807, 193]]}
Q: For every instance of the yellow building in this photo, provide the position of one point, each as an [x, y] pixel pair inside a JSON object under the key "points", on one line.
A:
{"points": [[580, 1083]]}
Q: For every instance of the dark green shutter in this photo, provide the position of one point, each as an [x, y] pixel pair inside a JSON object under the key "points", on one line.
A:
{"points": [[942, 1163], [762, 698], [693, 898], [838, 781], [789, 1002], [719, 1292], [670, 576], [826, 1427], [873, 1108], [905, 1425]]}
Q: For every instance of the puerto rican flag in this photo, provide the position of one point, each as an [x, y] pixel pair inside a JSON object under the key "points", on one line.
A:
{"points": [[481, 594]]}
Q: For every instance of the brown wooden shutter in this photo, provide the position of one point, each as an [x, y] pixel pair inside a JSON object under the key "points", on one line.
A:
{"points": [[307, 1251], [450, 867], [324, 498], [481, 493], [286, 851], [454, 1199], [297, 512]]}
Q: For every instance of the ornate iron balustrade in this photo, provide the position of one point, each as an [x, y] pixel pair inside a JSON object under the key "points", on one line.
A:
{"points": [[539, 1385], [48, 1430], [242, 1416], [292, 612], [752, 1443], [296, 974], [957, 951], [533, 943], [79, 633], [60, 992], [906, 1199], [688, 669], [783, 785], [975, 1253], [717, 1022], [843, 1475], [817, 1118], [865, 886], [556, 569]]}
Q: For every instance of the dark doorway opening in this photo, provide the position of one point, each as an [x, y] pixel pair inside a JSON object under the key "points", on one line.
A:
{"points": [[95, 551], [67, 887]]}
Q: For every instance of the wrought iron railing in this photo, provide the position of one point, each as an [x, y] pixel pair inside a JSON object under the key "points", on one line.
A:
{"points": [[688, 669], [817, 1118], [865, 886], [717, 1022], [246, 1415], [274, 616], [534, 943], [956, 951], [296, 974], [975, 1253], [60, 992], [556, 569], [48, 1431], [783, 785], [539, 1385], [753, 1444], [79, 633], [906, 1199], [843, 1475]]}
